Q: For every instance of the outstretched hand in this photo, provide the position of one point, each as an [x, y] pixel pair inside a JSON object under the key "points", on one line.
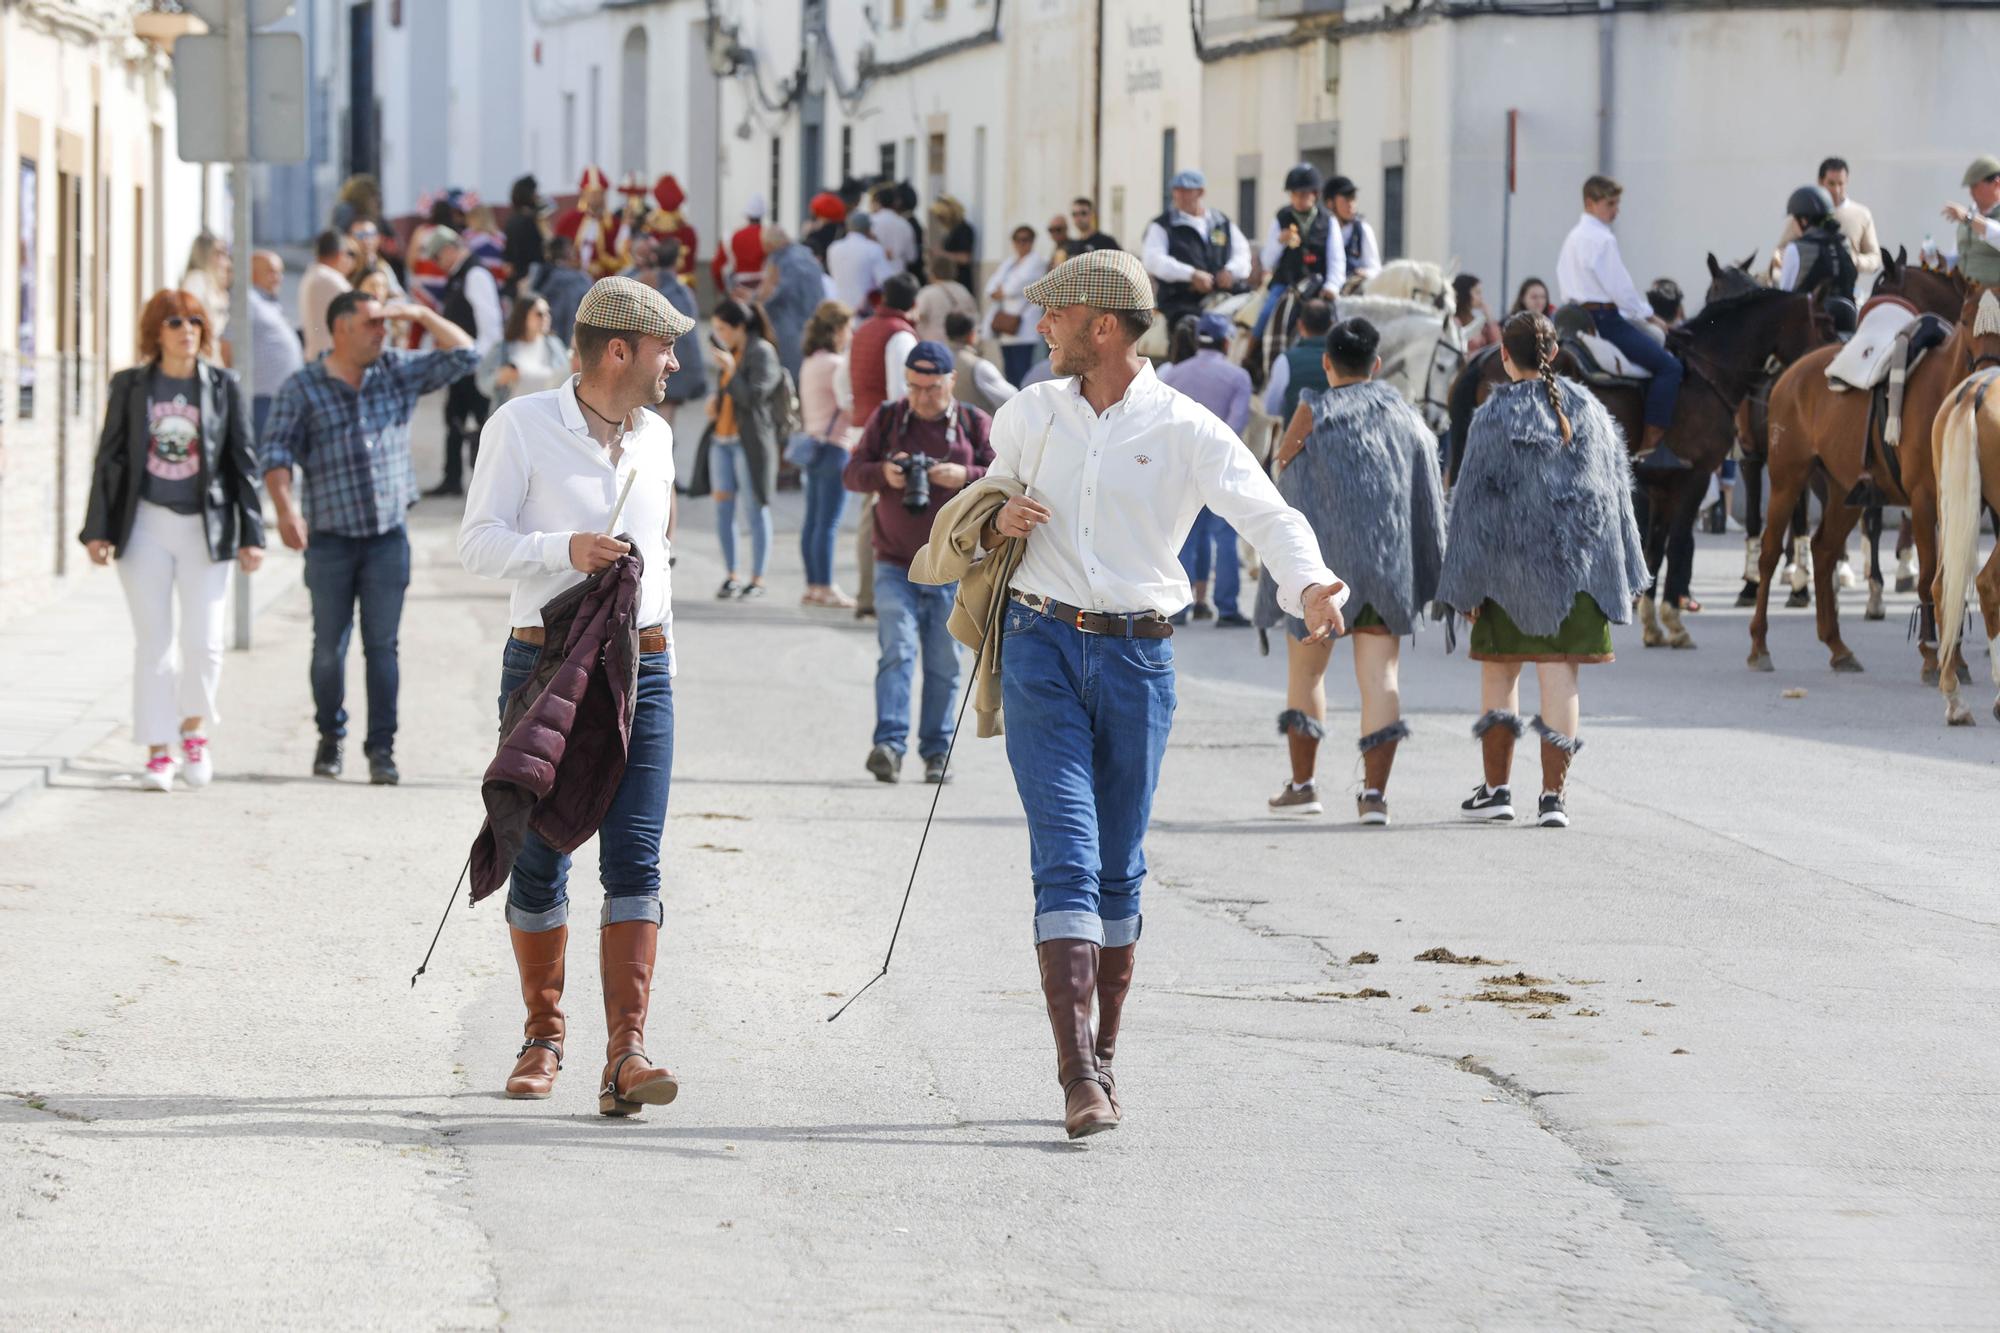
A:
{"points": [[1322, 606]]}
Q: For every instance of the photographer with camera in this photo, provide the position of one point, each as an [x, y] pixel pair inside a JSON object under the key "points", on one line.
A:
{"points": [[915, 455]]}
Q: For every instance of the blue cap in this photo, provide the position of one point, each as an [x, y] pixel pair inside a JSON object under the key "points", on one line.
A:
{"points": [[1188, 180], [929, 358], [1213, 329]]}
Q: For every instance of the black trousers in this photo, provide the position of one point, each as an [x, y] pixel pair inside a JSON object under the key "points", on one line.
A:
{"points": [[465, 410]]}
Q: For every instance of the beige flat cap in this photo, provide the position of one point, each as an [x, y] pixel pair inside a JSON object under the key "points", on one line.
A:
{"points": [[1986, 165], [1106, 279], [629, 306]]}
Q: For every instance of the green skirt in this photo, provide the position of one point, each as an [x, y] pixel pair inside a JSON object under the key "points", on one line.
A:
{"points": [[1367, 621], [1584, 637]]}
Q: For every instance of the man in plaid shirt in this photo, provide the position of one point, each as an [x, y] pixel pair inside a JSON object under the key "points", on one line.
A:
{"points": [[345, 420]]}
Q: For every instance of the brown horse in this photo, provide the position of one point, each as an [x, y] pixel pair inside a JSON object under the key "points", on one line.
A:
{"points": [[1816, 431], [1724, 348], [1965, 457]]}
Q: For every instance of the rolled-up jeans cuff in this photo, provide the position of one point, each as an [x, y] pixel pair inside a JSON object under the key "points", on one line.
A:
{"points": [[1068, 926], [1118, 934], [534, 923], [632, 907]]}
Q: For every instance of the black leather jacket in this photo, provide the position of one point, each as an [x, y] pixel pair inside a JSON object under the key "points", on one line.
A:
{"points": [[232, 489]]}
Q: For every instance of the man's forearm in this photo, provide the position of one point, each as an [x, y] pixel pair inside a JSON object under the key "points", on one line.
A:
{"points": [[278, 482], [446, 335]]}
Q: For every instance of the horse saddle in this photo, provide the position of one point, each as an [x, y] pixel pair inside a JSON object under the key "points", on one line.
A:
{"points": [[1603, 364], [1864, 362], [1885, 404]]}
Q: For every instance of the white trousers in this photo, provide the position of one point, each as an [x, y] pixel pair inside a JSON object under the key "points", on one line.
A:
{"points": [[168, 554]]}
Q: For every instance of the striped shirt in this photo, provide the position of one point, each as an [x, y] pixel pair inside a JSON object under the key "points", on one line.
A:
{"points": [[355, 444]]}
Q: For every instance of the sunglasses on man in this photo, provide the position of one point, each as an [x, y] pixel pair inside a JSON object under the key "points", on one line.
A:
{"points": [[176, 321]]}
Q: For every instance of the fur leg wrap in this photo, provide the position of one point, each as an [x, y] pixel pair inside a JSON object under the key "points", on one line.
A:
{"points": [[1567, 744], [1398, 730], [1294, 722], [1498, 718]]}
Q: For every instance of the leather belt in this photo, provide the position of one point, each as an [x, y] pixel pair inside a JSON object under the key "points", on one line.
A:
{"points": [[1598, 305], [1122, 625], [652, 639]]}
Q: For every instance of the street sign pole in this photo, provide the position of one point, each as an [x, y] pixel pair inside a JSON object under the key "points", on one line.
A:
{"points": [[243, 344], [1507, 207]]}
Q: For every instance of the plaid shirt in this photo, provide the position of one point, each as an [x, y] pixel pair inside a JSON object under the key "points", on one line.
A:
{"points": [[355, 444]]}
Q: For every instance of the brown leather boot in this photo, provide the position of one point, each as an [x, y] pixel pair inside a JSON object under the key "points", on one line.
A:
{"points": [[1302, 733], [625, 952], [538, 955], [1069, 986], [1114, 979]]}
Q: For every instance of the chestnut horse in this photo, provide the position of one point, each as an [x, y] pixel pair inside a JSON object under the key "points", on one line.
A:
{"points": [[1815, 430], [1965, 458], [1724, 348]]}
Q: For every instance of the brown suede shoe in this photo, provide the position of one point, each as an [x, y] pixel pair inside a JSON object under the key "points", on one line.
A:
{"points": [[538, 955], [1114, 979], [1069, 986], [625, 952]]}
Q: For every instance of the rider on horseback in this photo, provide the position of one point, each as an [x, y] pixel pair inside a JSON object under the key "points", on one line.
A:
{"points": [[1591, 273], [1979, 226], [1820, 261], [1302, 248], [1361, 257], [1193, 251]]}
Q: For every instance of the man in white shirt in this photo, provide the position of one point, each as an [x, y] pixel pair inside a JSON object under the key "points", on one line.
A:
{"points": [[857, 262], [334, 257], [892, 229], [1360, 256], [1193, 250], [470, 299], [540, 513], [1116, 466], [1857, 224], [1591, 273]]}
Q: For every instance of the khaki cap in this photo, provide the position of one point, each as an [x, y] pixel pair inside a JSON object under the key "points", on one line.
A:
{"points": [[1105, 279], [1983, 166], [624, 305]]}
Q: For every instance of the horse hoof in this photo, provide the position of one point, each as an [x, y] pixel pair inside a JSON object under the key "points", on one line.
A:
{"points": [[1958, 715], [1681, 640], [1761, 662], [1652, 638], [1799, 597], [1847, 664], [1748, 597], [1906, 583], [1996, 710], [1875, 611]]}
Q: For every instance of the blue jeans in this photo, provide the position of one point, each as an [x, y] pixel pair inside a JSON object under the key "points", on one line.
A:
{"points": [[341, 572], [1636, 343], [1017, 359], [1211, 545], [909, 615], [628, 841], [1265, 311], [260, 407], [1087, 723], [729, 476], [826, 501]]}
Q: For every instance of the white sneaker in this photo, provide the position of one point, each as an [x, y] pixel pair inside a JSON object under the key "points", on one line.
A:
{"points": [[197, 769], [158, 774]]}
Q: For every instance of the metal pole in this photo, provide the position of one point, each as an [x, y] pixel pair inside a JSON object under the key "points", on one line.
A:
{"points": [[242, 345], [1507, 213]]}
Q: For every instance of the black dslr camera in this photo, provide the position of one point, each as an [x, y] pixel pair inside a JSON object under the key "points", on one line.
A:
{"points": [[917, 480]]}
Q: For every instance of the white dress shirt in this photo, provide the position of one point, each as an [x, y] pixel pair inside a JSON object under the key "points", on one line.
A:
{"points": [[482, 293], [988, 380], [1370, 262], [857, 264], [896, 236], [894, 353], [1335, 269], [1011, 280], [1124, 489], [1153, 250], [541, 478], [1590, 271]]}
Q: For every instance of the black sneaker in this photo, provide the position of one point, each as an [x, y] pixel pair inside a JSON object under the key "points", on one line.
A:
{"points": [[444, 490], [326, 759], [382, 769], [886, 764], [750, 590], [1203, 611], [1553, 813], [729, 590], [1232, 622], [1488, 803], [934, 769]]}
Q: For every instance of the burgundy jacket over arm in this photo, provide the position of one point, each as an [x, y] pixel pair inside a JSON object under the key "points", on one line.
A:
{"points": [[564, 733]]}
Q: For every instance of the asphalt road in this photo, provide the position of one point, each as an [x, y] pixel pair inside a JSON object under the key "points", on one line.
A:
{"points": [[1766, 1097]]}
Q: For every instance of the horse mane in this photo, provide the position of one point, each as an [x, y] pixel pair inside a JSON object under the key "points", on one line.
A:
{"points": [[1404, 278], [1987, 321], [1728, 307]]}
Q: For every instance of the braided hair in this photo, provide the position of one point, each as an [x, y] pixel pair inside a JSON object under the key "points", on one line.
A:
{"points": [[1530, 341]]}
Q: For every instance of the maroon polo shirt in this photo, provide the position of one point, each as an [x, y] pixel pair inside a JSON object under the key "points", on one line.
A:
{"points": [[895, 430]]}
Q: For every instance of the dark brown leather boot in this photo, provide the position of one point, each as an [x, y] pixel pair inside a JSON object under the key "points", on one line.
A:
{"points": [[538, 956], [1114, 979], [625, 952], [1069, 987]]}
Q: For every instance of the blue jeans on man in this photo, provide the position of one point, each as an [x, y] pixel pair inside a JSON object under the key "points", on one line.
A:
{"points": [[909, 617], [1646, 350], [1087, 723], [342, 572], [1210, 548], [628, 841]]}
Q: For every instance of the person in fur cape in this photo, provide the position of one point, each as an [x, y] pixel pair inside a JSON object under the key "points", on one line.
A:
{"points": [[1361, 465], [1542, 556]]}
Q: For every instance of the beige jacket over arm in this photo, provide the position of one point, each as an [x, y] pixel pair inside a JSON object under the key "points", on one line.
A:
{"points": [[954, 554]]}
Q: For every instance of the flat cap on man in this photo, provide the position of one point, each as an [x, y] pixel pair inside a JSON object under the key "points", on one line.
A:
{"points": [[1188, 179], [436, 241], [1983, 166], [1105, 279], [627, 306]]}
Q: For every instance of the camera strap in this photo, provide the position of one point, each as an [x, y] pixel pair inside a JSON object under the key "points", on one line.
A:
{"points": [[957, 433]]}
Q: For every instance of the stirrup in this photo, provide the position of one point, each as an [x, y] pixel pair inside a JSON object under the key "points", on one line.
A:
{"points": [[548, 1044]]}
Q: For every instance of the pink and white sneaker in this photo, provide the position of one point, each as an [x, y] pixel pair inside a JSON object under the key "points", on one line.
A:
{"points": [[159, 774], [197, 769]]}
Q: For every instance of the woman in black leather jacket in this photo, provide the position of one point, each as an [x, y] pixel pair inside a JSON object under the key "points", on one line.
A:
{"points": [[175, 496]]}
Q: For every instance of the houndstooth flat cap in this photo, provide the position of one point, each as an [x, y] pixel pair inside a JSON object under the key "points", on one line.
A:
{"points": [[1106, 279], [629, 306]]}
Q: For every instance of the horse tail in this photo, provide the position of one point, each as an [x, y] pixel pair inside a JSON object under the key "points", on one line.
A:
{"points": [[1959, 506], [1461, 401]]}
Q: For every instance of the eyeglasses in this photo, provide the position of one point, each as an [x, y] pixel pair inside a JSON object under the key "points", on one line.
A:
{"points": [[176, 321], [364, 233]]}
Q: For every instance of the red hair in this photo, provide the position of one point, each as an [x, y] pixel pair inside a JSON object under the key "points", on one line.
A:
{"points": [[165, 303]]}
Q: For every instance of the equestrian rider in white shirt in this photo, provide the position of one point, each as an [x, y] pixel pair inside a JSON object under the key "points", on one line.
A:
{"points": [[1116, 466]]}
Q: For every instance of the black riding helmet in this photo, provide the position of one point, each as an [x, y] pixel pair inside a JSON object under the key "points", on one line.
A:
{"points": [[1342, 187], [1304, 176], [1809, 203]]}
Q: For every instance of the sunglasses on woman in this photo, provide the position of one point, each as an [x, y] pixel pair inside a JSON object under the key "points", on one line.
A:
{"points": [[176, 321]]}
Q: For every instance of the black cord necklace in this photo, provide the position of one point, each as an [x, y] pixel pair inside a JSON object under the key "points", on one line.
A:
{"points": [[599, 415]]}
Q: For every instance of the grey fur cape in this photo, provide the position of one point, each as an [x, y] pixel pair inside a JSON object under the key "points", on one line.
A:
{"points": [[1367, 481], [1535, 521]]}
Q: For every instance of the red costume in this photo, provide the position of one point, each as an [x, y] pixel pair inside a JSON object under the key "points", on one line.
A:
{"points": [[591, 227], [744, 255], [668, 220]]}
